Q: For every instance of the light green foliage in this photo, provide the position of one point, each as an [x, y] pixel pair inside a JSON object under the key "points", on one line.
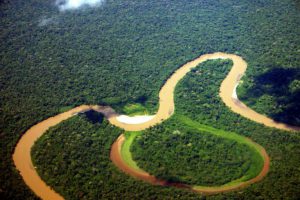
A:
{"points": [[125, 150], [197, 154], [197, 99], [135, 109], [122, 53], [295, 86], [73, 158]]}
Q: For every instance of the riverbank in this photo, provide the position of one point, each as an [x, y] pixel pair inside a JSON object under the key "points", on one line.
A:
{"points": [[22, 156]]}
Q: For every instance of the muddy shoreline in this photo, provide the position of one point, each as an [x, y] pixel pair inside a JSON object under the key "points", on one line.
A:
{"points": [[22, 153]]}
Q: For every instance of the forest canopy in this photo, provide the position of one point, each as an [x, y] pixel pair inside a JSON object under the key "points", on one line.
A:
{"points": [[122, 52]]}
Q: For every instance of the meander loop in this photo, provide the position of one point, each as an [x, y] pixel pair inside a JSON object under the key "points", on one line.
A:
{"points": [[22, 153]]}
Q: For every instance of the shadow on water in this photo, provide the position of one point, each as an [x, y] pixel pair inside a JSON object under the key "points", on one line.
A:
{"points": [[93, 116], [282, 84]]}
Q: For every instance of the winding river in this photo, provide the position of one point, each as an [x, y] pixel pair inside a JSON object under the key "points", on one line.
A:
{"points": [[22, 153]]}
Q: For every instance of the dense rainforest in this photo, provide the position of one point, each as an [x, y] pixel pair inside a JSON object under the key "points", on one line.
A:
{"points": [[76, 154], [179, 153], [196, 98], [121, 53]]}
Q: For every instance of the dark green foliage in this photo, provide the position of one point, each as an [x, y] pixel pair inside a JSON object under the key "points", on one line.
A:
{"points": [[93, 116], [186, 155], [276, 93], [73, 157], [196, 97], [122, 52]]}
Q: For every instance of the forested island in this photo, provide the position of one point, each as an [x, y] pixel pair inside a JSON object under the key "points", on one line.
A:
{"points": [[119, 54]]}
